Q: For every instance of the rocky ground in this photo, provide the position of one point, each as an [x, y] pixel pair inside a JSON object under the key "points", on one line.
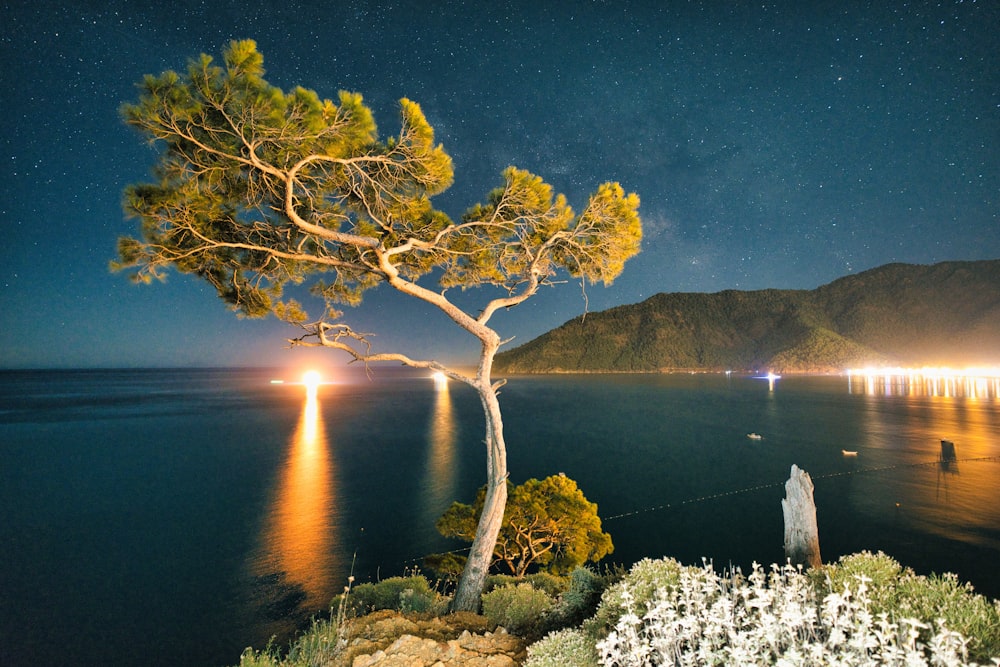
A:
{"points": [[389, 639]]}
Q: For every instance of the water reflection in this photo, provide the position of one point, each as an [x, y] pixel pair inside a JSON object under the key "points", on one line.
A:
{"points": [[928, 486], [442, 434], [298, 557], [982, 385]]}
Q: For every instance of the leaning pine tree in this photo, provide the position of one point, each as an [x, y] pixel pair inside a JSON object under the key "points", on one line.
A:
{"points": [[256, 189]]}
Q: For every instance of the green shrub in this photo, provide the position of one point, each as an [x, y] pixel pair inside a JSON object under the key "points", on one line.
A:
{"points": [[881, 573], [319, 645], [411, 601], [265, 658], [518, 608], [404, 594], [642, 582], [901, 593], [498, 580], [957, 605], [585, 589], [552, 584], [566, 648], [577, 602]]}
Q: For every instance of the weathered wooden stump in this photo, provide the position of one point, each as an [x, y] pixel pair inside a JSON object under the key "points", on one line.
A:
{"points": [[799, 509]]}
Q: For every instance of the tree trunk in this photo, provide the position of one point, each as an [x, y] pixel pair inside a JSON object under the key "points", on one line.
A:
{"points": [[470, 585], [799, 509]]}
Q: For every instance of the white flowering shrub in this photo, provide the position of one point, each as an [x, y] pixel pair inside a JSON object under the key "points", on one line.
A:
{"points": [[769, 618]]}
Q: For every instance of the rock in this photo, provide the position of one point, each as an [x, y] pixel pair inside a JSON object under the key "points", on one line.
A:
{"points": [[387, 639]]}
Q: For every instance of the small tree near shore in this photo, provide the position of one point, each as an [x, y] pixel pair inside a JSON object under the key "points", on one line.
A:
{"points": [[257, 189], [547, 523]]}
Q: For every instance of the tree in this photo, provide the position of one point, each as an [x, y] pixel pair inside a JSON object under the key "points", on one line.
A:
{"points": [[549, 523], [257, 190]]}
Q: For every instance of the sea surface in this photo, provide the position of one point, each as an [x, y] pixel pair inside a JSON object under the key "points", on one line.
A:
{"points": [[175, 517]]}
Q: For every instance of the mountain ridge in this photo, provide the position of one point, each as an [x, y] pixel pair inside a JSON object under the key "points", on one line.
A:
{"points": [[896, 314]]}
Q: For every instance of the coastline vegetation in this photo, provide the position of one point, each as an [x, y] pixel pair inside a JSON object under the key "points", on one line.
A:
{"points": [[864, 609]]}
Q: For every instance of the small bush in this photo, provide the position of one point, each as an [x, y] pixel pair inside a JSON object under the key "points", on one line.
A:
{"points": [[265, 658], [413, 602], [319, 645], [585, 589], [518, 608], [642, 582], [499, 580], [943, 598], [901, 593], [552, 584], [406, 594], [880, 572], [566, 648], [577, 602]]}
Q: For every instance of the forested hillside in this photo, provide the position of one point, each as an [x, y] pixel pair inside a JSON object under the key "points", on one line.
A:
{"points": [[942, 314]]}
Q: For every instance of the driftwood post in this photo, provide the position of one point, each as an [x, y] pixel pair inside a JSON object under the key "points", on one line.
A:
{"points": [[801, 533], [948, 451]]}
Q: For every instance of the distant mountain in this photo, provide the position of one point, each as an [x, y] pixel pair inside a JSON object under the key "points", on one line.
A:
{"points": [[906, 314]]}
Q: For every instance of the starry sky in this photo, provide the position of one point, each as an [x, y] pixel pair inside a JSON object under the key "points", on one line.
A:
{"points": [[773, 144]]}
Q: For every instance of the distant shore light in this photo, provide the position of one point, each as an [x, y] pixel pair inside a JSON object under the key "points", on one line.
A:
{"points": [[973, 383], [929, 371]]}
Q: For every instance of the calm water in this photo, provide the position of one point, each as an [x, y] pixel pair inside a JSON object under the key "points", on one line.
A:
{"points": [[176, 517]]}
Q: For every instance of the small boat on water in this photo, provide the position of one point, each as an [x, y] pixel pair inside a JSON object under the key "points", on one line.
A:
{"points": [[755, 436], [848, 452]]}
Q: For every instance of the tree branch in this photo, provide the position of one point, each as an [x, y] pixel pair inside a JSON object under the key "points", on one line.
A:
{"points": [[338, 337]]}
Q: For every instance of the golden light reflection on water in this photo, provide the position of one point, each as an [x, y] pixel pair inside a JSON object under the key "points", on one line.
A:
{"points": [[974, 383], [908, 417], [442, 435], [299, 538]]}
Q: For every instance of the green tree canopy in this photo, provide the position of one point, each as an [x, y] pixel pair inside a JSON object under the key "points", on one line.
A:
{"points": [[257, 189], [547, 523]]}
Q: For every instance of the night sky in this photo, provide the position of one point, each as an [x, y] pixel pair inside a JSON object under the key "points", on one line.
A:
{"points": [[774, 145]]}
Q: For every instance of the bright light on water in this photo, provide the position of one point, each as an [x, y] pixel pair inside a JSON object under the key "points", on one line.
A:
{"points": [[975, 383], [440, 380], [770, 377], [929, 371], [312, 380], [299, 541], [442, 440]]}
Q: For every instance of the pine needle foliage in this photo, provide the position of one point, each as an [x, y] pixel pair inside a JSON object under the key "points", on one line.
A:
{"points": [[256, 188]]}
